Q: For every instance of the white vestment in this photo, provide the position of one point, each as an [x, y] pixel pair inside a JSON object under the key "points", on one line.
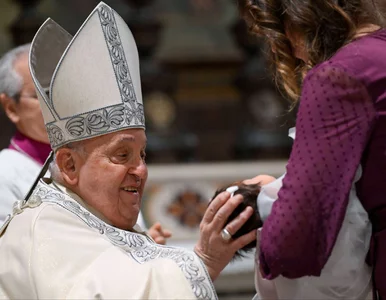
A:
{"points": [[17, 174], [59, 248], [345, 275]]}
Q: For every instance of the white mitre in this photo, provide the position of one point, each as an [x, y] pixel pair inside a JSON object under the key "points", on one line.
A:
{"points": [[93, 78]]}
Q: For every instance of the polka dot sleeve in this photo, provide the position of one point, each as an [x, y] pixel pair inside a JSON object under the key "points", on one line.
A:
{"points": [[334, 122]]}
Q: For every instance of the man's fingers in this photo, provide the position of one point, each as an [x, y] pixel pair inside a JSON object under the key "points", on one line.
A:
{"points": [[167, 233], [157, 230], [245, 239], [225, 211], [240, 220], [160, 240], [156, 226], [214, 206]]}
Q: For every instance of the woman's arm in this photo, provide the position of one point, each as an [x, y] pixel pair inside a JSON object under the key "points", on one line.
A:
{"points": [[334, 122]]}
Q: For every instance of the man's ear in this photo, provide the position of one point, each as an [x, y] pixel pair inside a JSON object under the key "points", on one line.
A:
{"points": [[69, 163], [10, 108]]}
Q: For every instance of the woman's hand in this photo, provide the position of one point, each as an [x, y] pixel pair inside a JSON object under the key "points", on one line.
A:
{"points": [[158, 234], [216, 252], [260, 179]]}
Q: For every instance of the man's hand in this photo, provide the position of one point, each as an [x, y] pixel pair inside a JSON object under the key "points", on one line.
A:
{"points": [[158, 234], [214, 251]]}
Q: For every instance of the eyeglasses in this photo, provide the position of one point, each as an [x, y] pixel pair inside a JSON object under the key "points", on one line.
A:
{"points": [[18, 96], [28, 96]]}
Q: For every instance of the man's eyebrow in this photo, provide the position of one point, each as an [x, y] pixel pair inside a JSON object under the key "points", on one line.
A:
{"points": [[126, 139], [129, 139]]}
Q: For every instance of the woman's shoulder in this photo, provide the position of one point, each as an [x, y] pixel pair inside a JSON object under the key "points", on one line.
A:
{"points": [[332, 80], [330, 73], [363, 59], [360, 63]]}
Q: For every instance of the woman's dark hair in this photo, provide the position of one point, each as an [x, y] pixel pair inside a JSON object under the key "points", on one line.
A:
{"points": [[249, 193], [323, 25]]}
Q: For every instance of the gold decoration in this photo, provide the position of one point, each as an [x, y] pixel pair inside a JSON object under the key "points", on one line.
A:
{"points": [[160, 110]]}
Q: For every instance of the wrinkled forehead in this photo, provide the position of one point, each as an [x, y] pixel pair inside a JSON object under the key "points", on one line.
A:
{"points": [[134, 137]]}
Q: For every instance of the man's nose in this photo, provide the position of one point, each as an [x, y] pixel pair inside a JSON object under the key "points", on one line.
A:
{"points": [[139, 169]]}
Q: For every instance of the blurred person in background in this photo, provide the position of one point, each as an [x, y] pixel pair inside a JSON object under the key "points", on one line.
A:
{"points": [[21, 162], [329, 55]]}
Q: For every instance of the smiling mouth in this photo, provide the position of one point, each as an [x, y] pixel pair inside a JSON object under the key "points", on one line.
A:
{"points": [[130, 190]]}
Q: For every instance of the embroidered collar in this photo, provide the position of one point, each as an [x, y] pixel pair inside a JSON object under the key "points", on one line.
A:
{"points": [[138, 246], [87, 207], [79, 200]]}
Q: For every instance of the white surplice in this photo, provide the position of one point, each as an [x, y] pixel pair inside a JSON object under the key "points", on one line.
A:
{"points": [[56, 247], [17, 174]]}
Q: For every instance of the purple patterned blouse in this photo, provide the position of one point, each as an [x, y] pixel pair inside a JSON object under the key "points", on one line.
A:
{"points": [[341, 123]]}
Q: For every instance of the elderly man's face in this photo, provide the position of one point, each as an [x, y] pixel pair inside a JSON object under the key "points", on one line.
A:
{"points": [[112, 175], [26, 114]]}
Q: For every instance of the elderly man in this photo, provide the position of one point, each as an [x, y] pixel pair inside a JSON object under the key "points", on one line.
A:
{"points": [[29, 147], [74, 236]]}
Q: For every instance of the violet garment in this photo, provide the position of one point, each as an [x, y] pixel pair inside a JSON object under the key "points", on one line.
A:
{"points": [[37, 151], [341, 123]]}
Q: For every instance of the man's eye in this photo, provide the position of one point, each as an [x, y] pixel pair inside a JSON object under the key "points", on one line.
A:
{"points": [[122, 155]]}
